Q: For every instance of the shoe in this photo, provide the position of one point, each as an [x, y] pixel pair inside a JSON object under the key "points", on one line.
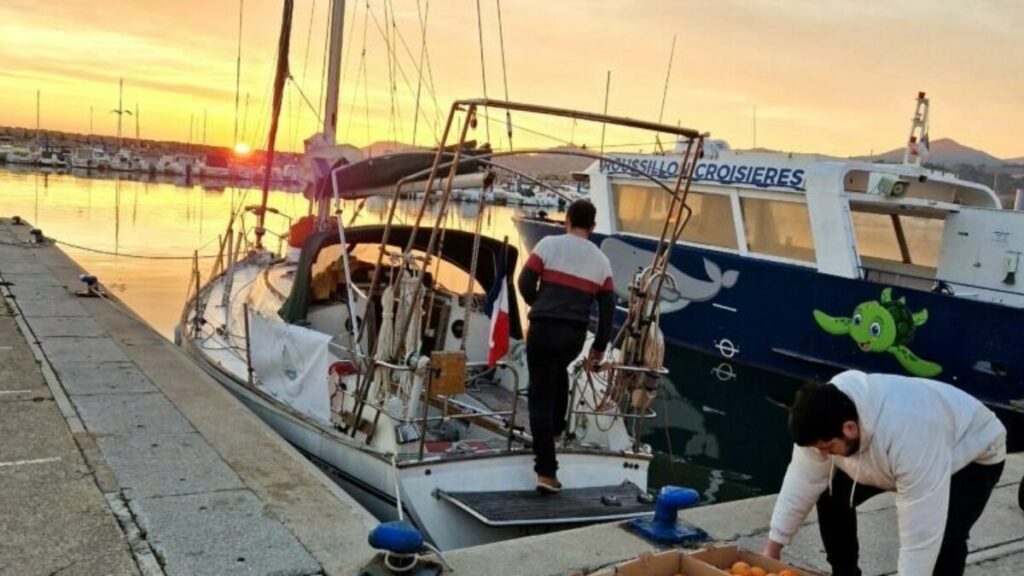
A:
{"points": [[548, 485]]}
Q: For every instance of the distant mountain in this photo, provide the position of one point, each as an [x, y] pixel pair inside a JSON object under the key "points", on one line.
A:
{"points": [[544, 165], [944, 152], [387, 147], [1014, 160]]}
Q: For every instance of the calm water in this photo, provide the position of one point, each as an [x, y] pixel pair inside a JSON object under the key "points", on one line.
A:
{"points": [[720, 428]]}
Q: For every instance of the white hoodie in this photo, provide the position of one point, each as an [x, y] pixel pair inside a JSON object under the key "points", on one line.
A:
{"points": [[914, 434]]}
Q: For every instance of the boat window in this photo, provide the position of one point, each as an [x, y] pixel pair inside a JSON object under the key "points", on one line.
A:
{"points": [[778, 228], [878, 238], [642, 210]]}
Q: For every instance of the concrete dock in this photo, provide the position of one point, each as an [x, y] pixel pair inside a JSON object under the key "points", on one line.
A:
{"points": [[997, 541], [120, 456]]}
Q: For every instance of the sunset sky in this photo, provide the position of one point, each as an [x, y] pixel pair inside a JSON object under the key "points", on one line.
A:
{"points": [[826, 76]]}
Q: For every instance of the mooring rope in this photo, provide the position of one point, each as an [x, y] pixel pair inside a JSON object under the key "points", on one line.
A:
{"points": [[128, 255]]}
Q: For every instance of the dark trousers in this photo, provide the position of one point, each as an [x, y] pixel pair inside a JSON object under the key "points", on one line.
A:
{"points": [[968, 493], [551, 345]]}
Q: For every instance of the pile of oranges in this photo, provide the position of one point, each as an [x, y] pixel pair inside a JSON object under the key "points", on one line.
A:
{"points": [[744, 569]]}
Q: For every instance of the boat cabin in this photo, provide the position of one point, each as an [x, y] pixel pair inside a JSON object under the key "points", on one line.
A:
{"points": [[893, 224]]}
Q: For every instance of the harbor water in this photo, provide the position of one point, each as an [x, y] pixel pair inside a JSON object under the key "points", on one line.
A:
{"points": [[720, 427]]}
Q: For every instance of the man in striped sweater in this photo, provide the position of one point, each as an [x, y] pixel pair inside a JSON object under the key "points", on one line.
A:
{"points": [[562, 278]]}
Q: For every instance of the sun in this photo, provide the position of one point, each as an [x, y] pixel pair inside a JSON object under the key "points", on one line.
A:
{"points": [[242, 149]]}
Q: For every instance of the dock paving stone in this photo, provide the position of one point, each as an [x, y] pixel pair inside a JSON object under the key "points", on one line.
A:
{"points": [[63, 352], [159, 464], [15, 264], [54, 520], [225, 533], [18, 368], [25, 291], [45, 309], [66, 327], [104, 378], [40, 431], [130, 414], [42, 278]]}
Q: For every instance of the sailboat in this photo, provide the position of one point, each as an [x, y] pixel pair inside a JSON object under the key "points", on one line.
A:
{"points": [[369, 347]]}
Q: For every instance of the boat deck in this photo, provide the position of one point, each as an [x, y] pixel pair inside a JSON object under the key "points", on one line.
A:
{"points": [[571, 505]]}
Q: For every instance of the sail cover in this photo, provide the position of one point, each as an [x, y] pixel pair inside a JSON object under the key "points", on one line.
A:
{"points": [[366, 177], [457, 249], [291, 364]]}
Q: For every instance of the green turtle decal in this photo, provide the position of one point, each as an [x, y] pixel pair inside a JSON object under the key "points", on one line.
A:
{"points": [[884, 325]]}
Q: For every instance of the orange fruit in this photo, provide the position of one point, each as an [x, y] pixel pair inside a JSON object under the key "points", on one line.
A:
{"points": [[788, 573], [757, 571], [740, 569]]}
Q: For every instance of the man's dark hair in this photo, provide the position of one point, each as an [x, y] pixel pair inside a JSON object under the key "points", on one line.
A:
{"points": [[818, 414], [581, 214]]}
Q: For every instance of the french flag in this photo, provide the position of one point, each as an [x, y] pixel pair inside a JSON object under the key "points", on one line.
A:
{"points": [[497, 308]]}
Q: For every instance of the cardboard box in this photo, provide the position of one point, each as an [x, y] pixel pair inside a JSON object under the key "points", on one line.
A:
{"points": [[723, 558], [667, 563]]}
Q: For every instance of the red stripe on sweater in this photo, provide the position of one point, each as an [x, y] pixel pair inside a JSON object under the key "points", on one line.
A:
{"points": [[535, 263], [608, 286], [581, 284]]}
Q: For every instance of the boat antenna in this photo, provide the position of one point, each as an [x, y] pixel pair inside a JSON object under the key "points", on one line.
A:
{"points": [[755, 126], [279, 78], [664, 93], [483, 67], [917, 143], [504, 75], [607, 89], [422, 14], [138, 139], [238, 67]]}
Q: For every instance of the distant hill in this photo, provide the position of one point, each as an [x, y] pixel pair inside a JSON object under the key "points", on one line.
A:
{"points": [[944, 152], [548, 165], [387, 147]]}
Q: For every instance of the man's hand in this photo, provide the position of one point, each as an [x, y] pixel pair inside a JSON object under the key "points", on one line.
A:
{"points": [[593, 360], [772, 549]]}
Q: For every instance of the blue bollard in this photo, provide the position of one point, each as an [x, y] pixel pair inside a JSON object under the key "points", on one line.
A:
{"points": [[662, 527]]}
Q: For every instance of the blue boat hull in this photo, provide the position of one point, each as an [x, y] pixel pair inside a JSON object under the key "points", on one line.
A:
{"points": [[765, 317]]}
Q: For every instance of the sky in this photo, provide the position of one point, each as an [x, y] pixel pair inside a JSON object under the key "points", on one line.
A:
{"points": [[826, 76]]}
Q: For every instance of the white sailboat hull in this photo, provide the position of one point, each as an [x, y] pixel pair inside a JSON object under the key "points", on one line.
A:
{"points": [[370, 474]]}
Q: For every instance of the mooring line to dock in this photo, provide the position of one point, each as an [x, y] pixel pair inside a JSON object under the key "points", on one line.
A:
{"points": [[13, 463], [130, 255]]}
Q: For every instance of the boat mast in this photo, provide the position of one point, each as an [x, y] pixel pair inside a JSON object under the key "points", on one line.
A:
{"points": [[120, 110], [279, 78], [238, 69], [334, 72]]}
